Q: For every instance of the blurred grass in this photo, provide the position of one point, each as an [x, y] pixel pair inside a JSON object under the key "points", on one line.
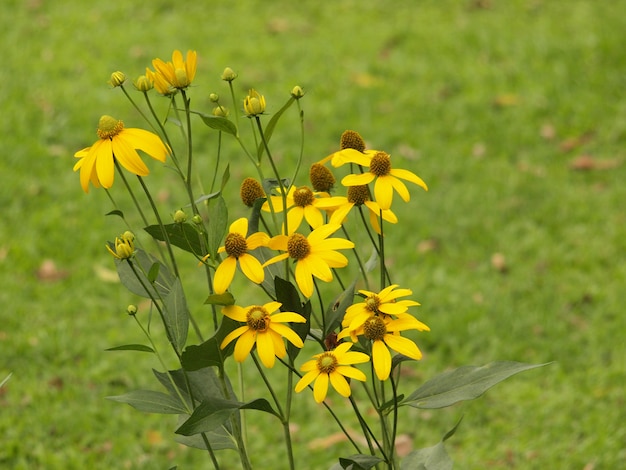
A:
{"points": [[492, 103]]}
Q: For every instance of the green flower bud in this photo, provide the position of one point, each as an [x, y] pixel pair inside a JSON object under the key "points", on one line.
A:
{"points": [[254, 103], [297, 92], [196, 219], [117, 79], [180, 216], [220, 111], [214, 97], [131, 310], [228, 75], [143, 83]]}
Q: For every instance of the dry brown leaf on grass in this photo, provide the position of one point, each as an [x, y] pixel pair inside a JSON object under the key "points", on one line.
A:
{"points": [[588, 163], [48, 272]]}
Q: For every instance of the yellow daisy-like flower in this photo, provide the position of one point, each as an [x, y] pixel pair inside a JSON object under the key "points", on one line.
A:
{"points": [[254, 103], [387, 179], [332, 366], [357, 196], [117, 143], [384, 302], [177, 74], [263, 327], [236, 245], [314, 255], [384, 333], [302, 203], [124, 246]]}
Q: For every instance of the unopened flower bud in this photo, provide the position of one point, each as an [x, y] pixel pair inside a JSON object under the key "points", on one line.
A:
{"points": [[180, 216], [321, 178], [228, 75], [250, 191], [254, 104], [117, 79], [214, 97], [128, 236], [124, 246], [297, 92], [352, 140], [220, 111], [143, 83], [196, 219], [131, 310]]}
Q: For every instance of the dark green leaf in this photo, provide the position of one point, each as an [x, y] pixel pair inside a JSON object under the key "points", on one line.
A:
{"points": [[287, 295], [205, 383], [116, 212], [151, 402], [430, 458], [137, 282], [220, 299], [209, 415], [219, 439], [219, 123], [337, 309], [260, 404], [255, 215], [465, 383], [225, 177], [218, 224], [359, 462], [132, 347], [204, 355], [184, 236], [176, 316]]}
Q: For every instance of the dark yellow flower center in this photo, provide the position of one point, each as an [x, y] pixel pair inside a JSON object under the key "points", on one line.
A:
{"points": [[258, 319], [374, 328], [235, 245], [380, 164], [372, 303], [327, 362], [352, 140], [358, 194], [109, 127], [250, 191], [298, 246], [303, 196], [321, 178]]}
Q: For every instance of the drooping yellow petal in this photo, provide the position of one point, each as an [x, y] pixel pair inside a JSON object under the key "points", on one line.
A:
{"points": [[307, 378], [192, 61], [333, 259], [320, 270], [128, 156], [235, 312], [284, 317], [313, 216], [320, 389], [383, 192], [147, 142], [244, 344], [224, 274], [358, 180], [382, 360], [294, 218], [408, 176], [232, 335], [340, 384], [256, 240], [404, 346], [251, 267], [352, 372], [265, 348], [400, 187], [351, 156], [304, 277], [287, 333], [104, 163]]}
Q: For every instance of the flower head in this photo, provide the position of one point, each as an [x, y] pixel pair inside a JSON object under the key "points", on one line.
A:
{"points": [[332, 366], [321, 178], [124, 246], [177, 74], [387, 179], [120, 144], [314, 255], [383, 332], [254, 103], [263, 327], [237, 245], [117, 79], [302, 203], [250, 190]]}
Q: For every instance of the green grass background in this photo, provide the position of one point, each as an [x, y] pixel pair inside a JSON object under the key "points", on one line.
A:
{"points": [[491, 102]]}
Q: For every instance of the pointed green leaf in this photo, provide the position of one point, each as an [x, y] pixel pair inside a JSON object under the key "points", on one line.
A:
{"points": [[271, 125], [137, 282], [465, 383], [153, 273], [184, 236], [220, 299], [151, 402], [218, 224], [358, 462], [337, 309], [207, 416], [132, 347], [430, 458], [287, 295], [176, 316], [205, 383], [225, 177], [255, 215], [116, 212], [219, 123]]}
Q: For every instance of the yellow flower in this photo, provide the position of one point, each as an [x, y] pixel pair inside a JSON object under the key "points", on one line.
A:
{"points": [[380, 169], [332, 366], [117, 143], [263, 327], [178, 73], [384, 302], [236, 246], [124, 246], [302, 203], [383, 332], [357, 196], [314, 255], [254, 103]]}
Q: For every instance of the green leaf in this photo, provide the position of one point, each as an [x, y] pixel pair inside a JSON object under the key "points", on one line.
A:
{"points": [[162, 285], [205, 383], [132, 347], [357, 462], [184, 236], [465, 383], [176, 316], [337, 309], [219, 123], [151, 402], [271, 125], [220, 299], [287, 295], [153, 273], [430, 458], [116, 212], [218, 224], [207, 416], [220, 438], [225, 177], [255, 215]]}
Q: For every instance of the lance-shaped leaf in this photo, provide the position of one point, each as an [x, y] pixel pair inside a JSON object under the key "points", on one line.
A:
{"points": [[204, 383], [269, 129], [465, 383], [218, 224], [136, 280], [337, 309], [357, 462], [209, 354], [219, 123], [176, 316], [132, 347], [430, 458], [288, 296], [184, 236], [151, 402]]}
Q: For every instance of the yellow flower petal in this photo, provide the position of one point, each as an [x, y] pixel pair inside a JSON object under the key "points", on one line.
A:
{"points": [[320, 389], [408, 176], [232, 335], [224, 274], [239, 226], [256, 240], [399, 186], [340, 384], [128, 156], [383, 192], [284, 317], [313, 216], [352, 372], [358, 180], [147, 142], [304, 278], [307, 378], [265, 348], [287, 333], [251, 267], [294, 218], [244, 344], [104, 164], [404, 346], [382, 360]]}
